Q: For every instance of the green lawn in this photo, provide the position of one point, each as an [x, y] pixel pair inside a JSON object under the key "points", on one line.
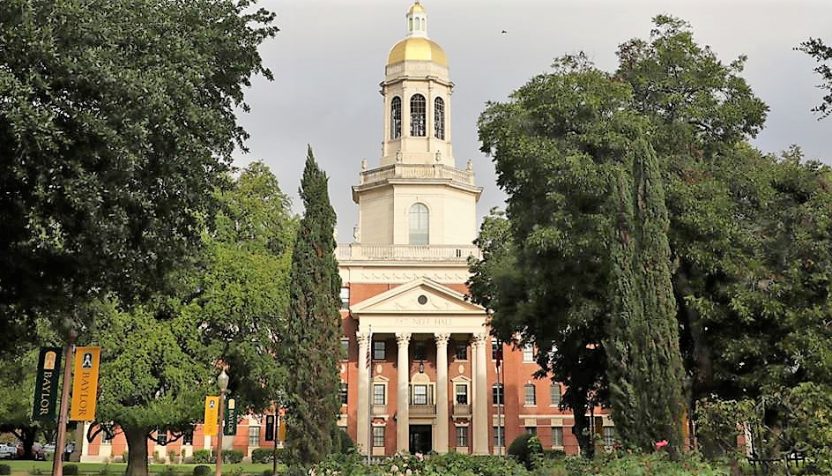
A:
{"points": [[45, 467]]}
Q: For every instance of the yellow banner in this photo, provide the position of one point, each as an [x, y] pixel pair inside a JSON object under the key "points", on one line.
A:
{"points": [[85, 383], [212, 414]]}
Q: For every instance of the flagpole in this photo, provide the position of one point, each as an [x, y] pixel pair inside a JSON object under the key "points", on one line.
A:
{"points": [[369, 363], [57, 456]]}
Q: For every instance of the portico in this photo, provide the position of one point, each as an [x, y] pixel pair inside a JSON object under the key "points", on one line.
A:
{"points": [[423, 318]]}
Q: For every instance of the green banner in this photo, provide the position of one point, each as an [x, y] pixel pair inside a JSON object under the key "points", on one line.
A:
{"points": [[229, 423], [46, 385]]}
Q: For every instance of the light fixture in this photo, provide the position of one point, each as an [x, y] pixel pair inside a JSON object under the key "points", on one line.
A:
{"points": [[421, 366], [222, 381]]}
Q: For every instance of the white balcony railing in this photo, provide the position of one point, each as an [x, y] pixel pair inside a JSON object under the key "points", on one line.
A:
{"points": [[417, 171], [368, 252]]}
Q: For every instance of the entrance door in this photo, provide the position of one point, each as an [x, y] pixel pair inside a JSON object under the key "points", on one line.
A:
{"points": [[421, 439]]}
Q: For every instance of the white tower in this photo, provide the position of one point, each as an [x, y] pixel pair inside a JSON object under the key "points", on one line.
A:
{"points": [[417, 196]]}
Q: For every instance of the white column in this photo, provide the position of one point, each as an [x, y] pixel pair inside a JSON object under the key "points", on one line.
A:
{"points": [[441, 445], [481, 401], [403, 395], [363, 414]]}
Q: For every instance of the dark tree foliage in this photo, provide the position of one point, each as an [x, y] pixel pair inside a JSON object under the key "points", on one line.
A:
{"points": [[311, 343], [644, 364], [817, 49], [738, 250], [161, 358], [117, 121]]}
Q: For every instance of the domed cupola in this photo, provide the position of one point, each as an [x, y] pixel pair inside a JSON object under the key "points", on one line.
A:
{"points": [[417, 46], [417, 92]]}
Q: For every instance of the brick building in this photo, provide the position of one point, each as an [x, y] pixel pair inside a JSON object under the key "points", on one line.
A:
{"points": [[419, 370], [431, 383]]}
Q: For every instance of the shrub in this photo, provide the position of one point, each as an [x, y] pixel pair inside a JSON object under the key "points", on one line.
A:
{"points": [[261, 455], [202, 456], [70, 469], [202, 470], [342, 441], [232, 456], [526, 449], [296, 470], [5, 469]]}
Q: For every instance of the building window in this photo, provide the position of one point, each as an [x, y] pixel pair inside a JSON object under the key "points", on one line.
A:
{"points": [[439, 118], [345, 298], [343, 393], [555, 395], [379, 350], [609, 436], [531, 397], [188, 437], [528, 353], [495, 349], [379, 394], [557, 436], [497, 397], [396, 118], [499, 436], [461, 436], [417, 115], [378, 436], [419, 224], [345, 348], [461, 392], [461, 351], [531, 430], [420, 395], [254, 436], [106, 437], [420, 352]]}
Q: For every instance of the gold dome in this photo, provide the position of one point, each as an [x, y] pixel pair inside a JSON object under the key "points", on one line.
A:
{"points": [[416, 8], [417, 49]]}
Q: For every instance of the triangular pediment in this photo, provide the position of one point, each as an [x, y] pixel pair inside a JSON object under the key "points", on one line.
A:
{"points": [[420, 296]]}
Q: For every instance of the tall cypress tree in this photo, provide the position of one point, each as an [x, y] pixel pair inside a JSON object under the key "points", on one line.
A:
{"points": [[311, 345], [644, 362]]}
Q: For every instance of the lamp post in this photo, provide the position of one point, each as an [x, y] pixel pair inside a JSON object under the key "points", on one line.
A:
{"points": [[222, 383]]}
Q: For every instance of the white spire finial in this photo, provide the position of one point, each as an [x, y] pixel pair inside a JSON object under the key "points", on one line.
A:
{"points": [[417, 21]]}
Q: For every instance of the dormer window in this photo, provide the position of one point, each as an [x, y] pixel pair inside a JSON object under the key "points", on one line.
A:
{"points": [[419, 224], [417, 115]]}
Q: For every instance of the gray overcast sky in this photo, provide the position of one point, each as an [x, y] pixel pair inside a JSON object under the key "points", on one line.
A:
{"points": [[329, 58]]}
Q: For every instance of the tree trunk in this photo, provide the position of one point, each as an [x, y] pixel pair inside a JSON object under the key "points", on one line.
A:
{"points": [[136, 451], [26, 435], [581, 431]]}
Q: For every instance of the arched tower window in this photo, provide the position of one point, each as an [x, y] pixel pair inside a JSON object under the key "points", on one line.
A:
{"points": [[396, 118], [439, 118], [417, 116], [419, 224]]}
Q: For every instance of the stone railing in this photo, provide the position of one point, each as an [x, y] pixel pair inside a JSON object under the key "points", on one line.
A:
{"points": [[425, 171], [367, 252], [379, 410]]}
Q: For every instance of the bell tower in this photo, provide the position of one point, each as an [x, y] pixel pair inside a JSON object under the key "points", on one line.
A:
{"points": [[416, 196]]}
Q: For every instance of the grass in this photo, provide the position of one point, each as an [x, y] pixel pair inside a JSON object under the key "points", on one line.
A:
{"points": [[45, 467]]}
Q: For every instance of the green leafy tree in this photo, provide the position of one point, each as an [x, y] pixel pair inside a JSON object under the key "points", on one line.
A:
{"points": [[817, 49], [17, 378], [644, 363], [554, 144], [311, 345], [161, 358], [117, 120]]}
